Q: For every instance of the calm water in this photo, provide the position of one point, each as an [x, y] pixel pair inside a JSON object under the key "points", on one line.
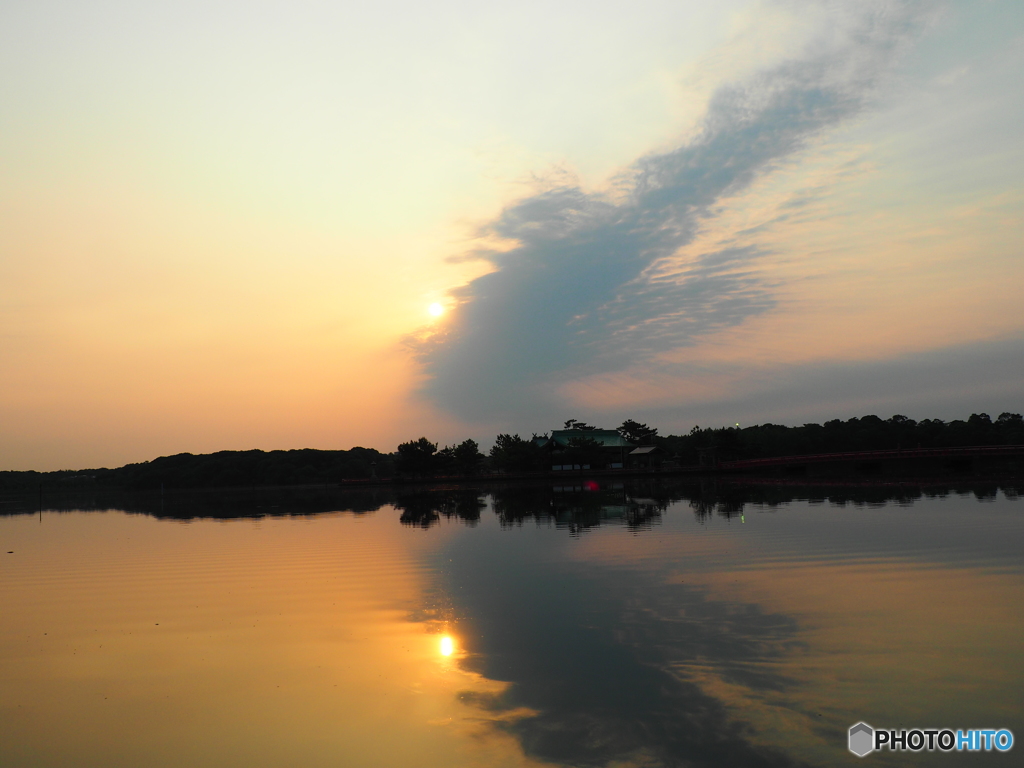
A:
{"points": [[577, 625]]}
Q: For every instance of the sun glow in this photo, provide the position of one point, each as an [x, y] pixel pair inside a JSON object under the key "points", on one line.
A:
{"points": [[447, 646], [436, 309]]}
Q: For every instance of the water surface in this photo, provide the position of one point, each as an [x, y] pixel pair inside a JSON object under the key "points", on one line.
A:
{"points": [[578, 624]]}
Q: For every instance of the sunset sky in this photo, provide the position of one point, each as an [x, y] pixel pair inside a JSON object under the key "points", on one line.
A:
{"points": [[224, 225]]}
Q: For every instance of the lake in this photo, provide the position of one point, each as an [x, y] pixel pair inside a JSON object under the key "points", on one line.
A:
{"points": [[578, 623]]}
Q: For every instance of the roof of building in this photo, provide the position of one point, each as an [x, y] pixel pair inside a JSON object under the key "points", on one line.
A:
{"points": [[608, 438], [643, 450]]}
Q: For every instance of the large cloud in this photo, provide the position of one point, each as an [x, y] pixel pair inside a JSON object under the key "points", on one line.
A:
{"points": [[581, 291]]}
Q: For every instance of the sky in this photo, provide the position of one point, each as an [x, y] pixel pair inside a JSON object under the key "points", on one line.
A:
{"points": [[223, 225]]}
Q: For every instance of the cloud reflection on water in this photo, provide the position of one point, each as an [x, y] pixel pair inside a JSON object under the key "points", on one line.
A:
{"points": [[713, 647], [635, 625], [579, 646]]}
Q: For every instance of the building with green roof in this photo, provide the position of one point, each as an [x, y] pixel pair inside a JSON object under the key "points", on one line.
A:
{"points": [[586, 448]]}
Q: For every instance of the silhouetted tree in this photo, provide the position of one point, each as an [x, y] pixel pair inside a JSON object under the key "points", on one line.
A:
{"points": [[637, 433], [417, 457], [468, 457], [580, 425], [511, 453]]}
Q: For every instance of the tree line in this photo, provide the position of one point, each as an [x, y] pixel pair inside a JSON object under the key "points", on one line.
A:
{"points": [[867, 433], [514, 454], [222, 469]]}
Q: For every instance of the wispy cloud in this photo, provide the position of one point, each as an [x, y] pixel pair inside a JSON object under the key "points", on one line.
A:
{"points": [[589, 284]]}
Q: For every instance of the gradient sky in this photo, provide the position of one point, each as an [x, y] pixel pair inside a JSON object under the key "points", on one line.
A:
{"points": [[222, 224]]}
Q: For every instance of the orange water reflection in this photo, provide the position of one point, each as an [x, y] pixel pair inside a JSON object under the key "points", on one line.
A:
{"points": [[447, 645], [127, 641]]}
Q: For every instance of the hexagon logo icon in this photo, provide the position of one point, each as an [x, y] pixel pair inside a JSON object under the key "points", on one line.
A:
{"points": [[862, 737]]}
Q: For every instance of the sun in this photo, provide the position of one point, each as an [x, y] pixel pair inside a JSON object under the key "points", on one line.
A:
{"points": [[436, 309]]}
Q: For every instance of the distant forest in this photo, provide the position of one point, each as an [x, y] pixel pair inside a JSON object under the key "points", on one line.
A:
{"points": [[513, 454]]}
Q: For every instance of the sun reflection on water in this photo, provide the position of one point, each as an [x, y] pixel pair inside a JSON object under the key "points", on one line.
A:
{"points": [[447, 645]]}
